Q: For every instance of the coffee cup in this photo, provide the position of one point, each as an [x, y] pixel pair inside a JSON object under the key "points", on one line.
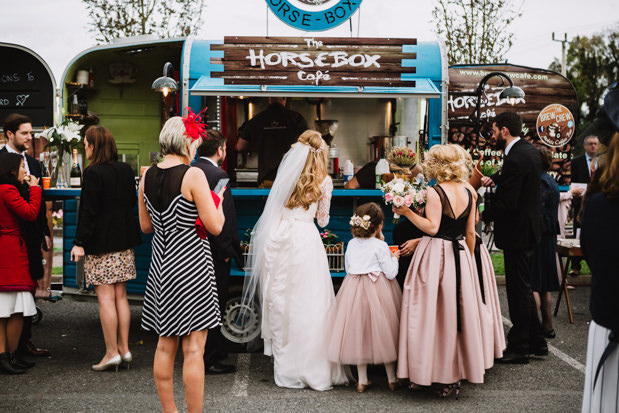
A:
{"points": [[47, 181]]}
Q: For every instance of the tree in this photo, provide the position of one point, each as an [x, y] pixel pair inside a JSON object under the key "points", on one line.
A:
{"points": [[475, 31], [592, 65], [124, 18]]}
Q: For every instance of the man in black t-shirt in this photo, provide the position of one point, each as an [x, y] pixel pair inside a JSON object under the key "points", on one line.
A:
{"points": [[365, 178], [271, 133]]}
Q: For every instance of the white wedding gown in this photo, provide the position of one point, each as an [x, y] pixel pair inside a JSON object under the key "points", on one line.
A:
{"points": [[298, 299]]}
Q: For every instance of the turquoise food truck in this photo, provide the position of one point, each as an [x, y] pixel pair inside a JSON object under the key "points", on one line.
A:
{"points": [[369, 94]]}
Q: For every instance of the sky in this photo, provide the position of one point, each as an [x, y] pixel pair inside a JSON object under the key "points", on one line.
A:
{"points": [[57, 30]]}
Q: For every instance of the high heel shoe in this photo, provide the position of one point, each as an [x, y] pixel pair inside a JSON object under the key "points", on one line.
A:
{"points": [[127, 358], [114, 362], [363, 387], [448, 389], [396, 385]]}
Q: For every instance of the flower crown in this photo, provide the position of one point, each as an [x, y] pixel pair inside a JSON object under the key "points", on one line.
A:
{"points": [[357, 221], [194, 127]]}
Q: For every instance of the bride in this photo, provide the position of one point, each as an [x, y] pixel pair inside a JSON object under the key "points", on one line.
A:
{"points": [[288, 266]]}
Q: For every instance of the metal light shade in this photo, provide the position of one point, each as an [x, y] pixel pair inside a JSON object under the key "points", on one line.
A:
{"points": [[512, 93], [165, 83]]}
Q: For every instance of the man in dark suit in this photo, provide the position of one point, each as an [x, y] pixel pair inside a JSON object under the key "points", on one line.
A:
{"points": [[18, 132], [515, 210], [224, 247], [582, 170]]}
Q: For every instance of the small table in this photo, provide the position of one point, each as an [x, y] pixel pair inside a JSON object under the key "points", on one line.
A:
{"points": [[566, 252]]}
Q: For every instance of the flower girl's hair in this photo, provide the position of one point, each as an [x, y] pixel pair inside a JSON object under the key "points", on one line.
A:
{"points": [[307, 190], [366, 220]]}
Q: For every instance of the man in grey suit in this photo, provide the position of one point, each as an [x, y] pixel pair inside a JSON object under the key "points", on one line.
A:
{"points": [[515, 210], [224, 247]]}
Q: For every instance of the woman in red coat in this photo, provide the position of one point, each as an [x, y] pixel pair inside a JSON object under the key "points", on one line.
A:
{"points": [[16, 284]]}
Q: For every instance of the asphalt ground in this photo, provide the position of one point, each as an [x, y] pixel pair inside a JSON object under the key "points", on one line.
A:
{"points": [[71, 330]]}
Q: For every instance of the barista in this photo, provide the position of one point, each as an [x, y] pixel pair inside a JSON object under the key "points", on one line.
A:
{"points": [[271, 133]]}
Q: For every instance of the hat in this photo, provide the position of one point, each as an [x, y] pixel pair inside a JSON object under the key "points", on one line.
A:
{"points": [[607, 121]]}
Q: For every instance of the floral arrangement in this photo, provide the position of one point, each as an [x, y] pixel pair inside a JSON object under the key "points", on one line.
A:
{"points": [[399, 192], [57, 217], [64, 137], [328, 238], [402, 156]]}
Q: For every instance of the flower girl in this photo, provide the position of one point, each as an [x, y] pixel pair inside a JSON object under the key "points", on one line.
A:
{"points": [[367, 316]]}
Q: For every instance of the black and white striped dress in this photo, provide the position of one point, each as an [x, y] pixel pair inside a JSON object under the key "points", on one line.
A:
{"points": [[181, 292]]}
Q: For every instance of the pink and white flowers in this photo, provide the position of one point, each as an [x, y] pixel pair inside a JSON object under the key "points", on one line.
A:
{"points": [[400, 192]]}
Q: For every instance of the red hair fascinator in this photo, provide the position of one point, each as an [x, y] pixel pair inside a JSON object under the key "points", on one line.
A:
{"points": [[194, 127]]}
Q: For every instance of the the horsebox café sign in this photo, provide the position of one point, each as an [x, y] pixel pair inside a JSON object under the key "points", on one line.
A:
{"points": [[324, 61], [313, 15]]}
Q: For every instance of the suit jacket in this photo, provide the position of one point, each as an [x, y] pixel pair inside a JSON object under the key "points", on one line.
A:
{"points": [[580, 174], [227, 243], [515, 207], [35, 169], [106, 220]]}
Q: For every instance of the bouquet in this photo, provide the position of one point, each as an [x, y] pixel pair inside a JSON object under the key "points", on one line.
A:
{"points": [[402, 156], [400, 192]]}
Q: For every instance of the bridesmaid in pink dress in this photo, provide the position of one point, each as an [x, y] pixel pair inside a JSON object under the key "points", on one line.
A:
{"points": [[440, 329]]}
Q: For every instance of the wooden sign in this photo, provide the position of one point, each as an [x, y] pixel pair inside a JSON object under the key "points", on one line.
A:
{"points": [[542, 88], [26, 86], [324, 61]]}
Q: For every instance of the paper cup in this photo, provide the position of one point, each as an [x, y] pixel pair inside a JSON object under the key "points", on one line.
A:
{"points": [[47, 181], [394, 248]]}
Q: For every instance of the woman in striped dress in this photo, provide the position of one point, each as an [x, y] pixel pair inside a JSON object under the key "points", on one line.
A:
{"points": [[181, 293]]}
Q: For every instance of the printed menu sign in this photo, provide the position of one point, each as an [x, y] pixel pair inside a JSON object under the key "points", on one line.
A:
{"points": [[546, 110], [26, 86]]}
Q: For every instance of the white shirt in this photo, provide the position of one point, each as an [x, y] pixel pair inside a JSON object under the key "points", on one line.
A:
{"points": [[210, 160], [23, 154], [509, 147], [365, 255]]}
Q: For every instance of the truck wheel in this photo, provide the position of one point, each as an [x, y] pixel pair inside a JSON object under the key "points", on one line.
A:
{"points": [[240, 325]]}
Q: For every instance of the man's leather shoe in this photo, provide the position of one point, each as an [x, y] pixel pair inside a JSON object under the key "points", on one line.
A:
{"points": [[35, 351], [539, 351], [509, 357], [219, 368]]}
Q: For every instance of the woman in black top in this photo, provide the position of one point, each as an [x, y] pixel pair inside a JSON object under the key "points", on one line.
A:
{"points": [[106, 234]]}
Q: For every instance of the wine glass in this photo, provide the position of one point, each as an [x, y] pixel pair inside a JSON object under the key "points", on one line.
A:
{"points": [[44, 158]]}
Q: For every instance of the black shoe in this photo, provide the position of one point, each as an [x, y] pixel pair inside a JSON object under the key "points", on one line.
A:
{"points": [[218, 368], [550, 334], [509, 357], [574, 273], [539, 351], [19, 362], [6, 367]]}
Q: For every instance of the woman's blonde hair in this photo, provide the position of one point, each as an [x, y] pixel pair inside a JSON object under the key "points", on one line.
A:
{"points": [[609, 180], [174, 141], [446, 163], [307, 191], [468, 160]]}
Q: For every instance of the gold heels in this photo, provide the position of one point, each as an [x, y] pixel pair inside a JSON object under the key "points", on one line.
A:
{"points": [[127, 358], [114, 362], [363, 387]]}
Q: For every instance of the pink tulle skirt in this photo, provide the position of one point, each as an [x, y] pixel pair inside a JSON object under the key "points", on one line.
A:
{"points": [[366, 322]]}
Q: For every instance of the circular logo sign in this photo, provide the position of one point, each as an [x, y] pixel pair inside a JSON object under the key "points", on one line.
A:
{"points": [[313, 15], [555, 125]]}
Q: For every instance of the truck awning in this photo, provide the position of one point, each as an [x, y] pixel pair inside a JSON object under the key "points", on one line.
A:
{"points": [[207, 86]]}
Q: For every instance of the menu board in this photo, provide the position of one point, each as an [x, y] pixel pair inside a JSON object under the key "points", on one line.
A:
{"points": [[26, 86], [548, 112]]}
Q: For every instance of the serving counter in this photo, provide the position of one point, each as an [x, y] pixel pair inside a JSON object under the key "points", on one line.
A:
{"points": [[249, 203]]}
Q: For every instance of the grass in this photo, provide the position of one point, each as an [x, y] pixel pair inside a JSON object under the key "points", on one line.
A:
{"points": [[499, 266], [56, 270]]}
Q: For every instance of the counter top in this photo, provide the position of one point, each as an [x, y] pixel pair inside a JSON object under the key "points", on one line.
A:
{"points": [[67, 193]]}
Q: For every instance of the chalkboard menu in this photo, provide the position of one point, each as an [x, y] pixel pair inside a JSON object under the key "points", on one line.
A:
{"points": [[26, 86]]}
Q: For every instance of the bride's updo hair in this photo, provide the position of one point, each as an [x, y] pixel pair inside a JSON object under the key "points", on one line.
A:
{"points": [[307, 191], [174, 141], [446, 163]]}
